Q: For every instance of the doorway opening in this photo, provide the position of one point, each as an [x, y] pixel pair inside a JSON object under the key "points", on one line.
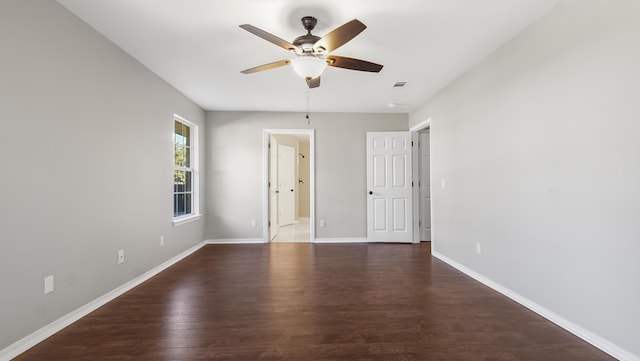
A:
{"points": [[422, 221], [289, 185]]}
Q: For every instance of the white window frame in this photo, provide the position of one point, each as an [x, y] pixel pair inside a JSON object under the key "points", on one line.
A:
{"points": [[195, 163]]}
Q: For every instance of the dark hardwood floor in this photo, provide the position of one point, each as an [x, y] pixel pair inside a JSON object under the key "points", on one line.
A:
{"points": [[313, 302]]}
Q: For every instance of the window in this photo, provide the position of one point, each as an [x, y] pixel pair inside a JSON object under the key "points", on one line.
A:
{"points": [[185, 177]]}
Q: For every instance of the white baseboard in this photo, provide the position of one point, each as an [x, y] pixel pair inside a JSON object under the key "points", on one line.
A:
{"points": [[261, 241], [235, 241], [290, 241], [597, 341], [40, 335], [341, 240]]}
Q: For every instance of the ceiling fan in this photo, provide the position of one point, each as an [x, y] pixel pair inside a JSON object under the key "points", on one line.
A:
{"points": [[313, 52]]}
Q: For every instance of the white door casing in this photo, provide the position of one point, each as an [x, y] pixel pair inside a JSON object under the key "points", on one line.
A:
{"points": [[286, 185], [389, 187]]}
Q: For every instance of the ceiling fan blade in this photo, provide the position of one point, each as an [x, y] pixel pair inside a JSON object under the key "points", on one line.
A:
{"points": [[269, 37], [313, 82], [339, 36], [353, 64], [269, 66]]}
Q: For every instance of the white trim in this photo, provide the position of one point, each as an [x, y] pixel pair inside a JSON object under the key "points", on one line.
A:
{"points": [[341, 240], [235, 241], [178, 221], [597, 341], [43, 333], [275, 240], [422, 125], [266, 133]]}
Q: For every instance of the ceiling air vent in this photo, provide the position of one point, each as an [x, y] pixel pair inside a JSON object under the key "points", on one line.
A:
{"points": [[400, 84]]}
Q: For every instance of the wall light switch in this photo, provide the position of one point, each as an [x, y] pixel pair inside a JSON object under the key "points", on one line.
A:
{"points": [[322, 223], [48, 284], [161, 241], [254, 223], [478, 249], [443, 183], [121, 256]]}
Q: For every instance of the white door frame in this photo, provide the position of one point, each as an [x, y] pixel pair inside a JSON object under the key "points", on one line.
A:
{"points": [[415, 171], [266, 134]]}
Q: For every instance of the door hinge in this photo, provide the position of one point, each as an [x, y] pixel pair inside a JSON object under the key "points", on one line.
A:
{"points": [[412, 184], [269, 145], [419, 223], [269, 224], [412, 143]]}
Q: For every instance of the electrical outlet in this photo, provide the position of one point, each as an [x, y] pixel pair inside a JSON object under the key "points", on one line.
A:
{"points": [[121, 256], [48, 284], [478, 249], [161, 241], [254, 223], [322, 223]]}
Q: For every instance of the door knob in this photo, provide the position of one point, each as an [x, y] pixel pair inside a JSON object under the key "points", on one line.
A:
{"points": [[370, 192], [292, 190]]}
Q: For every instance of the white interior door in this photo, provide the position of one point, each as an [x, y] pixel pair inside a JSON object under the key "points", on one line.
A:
{"points": [[273, 188], [286, 185], [389, 199]]}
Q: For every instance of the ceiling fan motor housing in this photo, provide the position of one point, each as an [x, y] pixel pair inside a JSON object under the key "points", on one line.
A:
{"points": [[306, 42], [309, 23]]}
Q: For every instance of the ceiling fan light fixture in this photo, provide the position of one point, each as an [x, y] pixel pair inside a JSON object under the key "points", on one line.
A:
{"points": [[308, 66]]}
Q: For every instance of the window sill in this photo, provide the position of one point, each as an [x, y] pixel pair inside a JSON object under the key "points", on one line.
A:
{"points": [[185, 219]]}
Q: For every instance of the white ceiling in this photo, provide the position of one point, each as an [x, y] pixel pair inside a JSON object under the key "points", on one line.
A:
{"points": [[197, 46]]}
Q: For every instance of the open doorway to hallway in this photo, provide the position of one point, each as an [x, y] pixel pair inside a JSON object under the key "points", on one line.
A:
{"points": [[289, 185], [421, 138], [424, 185]]}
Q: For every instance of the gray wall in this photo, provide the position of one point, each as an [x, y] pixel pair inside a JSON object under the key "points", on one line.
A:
{"points": [[87, 166], [540, 148], [234, 169]]}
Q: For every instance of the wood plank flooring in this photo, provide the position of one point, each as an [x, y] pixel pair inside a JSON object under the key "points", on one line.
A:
{"points": [[295, 301]]}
